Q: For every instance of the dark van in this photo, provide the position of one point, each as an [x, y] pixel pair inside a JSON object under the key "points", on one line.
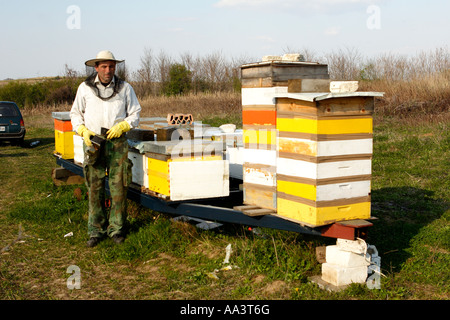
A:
{"points": [[12, 127]]}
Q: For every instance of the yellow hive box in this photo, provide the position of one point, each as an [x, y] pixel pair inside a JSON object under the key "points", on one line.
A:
{"points": [[184, 178], [64, 144], [293, 123], [260, 137], [318, 216]]}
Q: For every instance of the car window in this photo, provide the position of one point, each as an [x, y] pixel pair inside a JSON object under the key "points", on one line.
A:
{"points": [[8, 111]]}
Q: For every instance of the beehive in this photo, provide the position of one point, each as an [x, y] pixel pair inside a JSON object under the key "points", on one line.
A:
{"points": [[324, 161], [138, 175], [261, 83], [78, 151], [64, 147], [180, 170]]}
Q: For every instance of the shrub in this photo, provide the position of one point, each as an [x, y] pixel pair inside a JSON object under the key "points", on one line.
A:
{"points": [[179, 80], [47, 92]]}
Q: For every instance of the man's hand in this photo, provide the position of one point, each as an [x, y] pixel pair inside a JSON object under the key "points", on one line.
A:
{"points": [[118, 129], [86, 134]]}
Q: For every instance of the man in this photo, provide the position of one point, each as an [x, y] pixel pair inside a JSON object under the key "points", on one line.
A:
{"points": [[105, 101]]}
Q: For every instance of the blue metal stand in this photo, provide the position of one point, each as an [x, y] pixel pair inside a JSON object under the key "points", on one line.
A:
{"points": [[220, 210]]}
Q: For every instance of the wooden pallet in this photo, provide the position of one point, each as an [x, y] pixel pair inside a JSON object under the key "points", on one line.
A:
{"points": [[254, 211]]}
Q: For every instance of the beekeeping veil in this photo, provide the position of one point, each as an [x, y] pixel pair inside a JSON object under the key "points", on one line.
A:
{"points": [[92, 74]]}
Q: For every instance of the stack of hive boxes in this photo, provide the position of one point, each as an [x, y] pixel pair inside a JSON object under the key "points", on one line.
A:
{"points": [[324, 156], [64, 147], [261, 83]]}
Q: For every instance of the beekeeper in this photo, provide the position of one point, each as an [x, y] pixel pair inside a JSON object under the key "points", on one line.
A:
{"points": [[105, 101]]}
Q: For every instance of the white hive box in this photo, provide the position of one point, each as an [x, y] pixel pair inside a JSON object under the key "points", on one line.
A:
{"points": [[78, 152], [234, 155], [177, 170], [138, 169]]}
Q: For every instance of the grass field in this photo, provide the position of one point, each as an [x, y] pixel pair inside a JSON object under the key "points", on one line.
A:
{"points": [[163, 259]]}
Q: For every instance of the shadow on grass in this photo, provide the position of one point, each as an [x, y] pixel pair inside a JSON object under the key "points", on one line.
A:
{"points": [[27, 144], [402, 212]]}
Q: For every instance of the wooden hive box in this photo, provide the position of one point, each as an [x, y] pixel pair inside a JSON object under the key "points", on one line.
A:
{"points": [[172, 176], [278, 73], [261, 83], [64, 147], [324, 161]]}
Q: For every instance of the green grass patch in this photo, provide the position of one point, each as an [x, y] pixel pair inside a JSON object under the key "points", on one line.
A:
{"points": [[165, 259]]}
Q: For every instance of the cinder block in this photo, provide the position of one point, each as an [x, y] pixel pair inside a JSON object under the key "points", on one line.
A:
{"points": [[342, 258], [343, 86], [340, 276], [356, 246]]}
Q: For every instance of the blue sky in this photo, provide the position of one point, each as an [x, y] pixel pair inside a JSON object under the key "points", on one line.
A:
{"points": [[40, 37]]}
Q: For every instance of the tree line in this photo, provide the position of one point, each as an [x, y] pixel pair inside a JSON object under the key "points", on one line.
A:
{"points": [[159, 73]]}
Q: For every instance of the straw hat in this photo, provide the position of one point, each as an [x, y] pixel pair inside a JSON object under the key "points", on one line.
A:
{"points": [[102, 56]]}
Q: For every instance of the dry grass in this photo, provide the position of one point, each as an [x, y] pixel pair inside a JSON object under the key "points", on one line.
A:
{"points": [[201, 106], [419, 97]]}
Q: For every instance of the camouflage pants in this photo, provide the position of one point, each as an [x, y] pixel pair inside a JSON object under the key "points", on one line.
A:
{"points": [[112, 162]]}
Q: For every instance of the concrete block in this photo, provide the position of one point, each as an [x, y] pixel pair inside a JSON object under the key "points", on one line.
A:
{"points": [[339, 276], [336, 256], [357, 246], [343, 86], [271, 58], [293, 57]]}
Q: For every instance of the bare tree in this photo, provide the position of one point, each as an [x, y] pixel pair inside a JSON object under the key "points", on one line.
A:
{"points": [[344, 64], [145, 75], [163, 63]]}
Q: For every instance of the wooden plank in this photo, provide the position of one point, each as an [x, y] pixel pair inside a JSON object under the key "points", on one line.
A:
{"points": [[244, 207], [258, 212], [253, 211]]}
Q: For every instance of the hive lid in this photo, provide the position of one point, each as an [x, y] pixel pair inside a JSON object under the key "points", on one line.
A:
{"points": [[280, 63], [181, 147], [317, 96], [61, 115]]}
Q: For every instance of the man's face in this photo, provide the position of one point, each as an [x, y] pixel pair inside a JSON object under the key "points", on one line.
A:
{"points": [[105, 70]]}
